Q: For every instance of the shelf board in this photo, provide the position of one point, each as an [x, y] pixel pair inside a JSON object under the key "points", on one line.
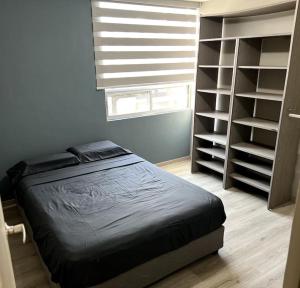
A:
{"points": [[289, 34], [215, 114], [216, 91], [255, 149], [218, 39], [213, 165], [263, 67], [258, 123], [215, 151], [216, 66], [257, 167], [213, 137], [261, 95], [257, 183], [281, 34]]}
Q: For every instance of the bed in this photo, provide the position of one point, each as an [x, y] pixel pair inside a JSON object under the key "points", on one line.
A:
{"points": [[118, 221]]}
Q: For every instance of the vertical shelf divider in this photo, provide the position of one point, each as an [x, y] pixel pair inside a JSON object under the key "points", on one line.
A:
{"points": [[228, 165]]}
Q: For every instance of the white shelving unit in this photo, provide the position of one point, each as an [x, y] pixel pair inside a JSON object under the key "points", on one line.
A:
{"points": [[241, 96]]}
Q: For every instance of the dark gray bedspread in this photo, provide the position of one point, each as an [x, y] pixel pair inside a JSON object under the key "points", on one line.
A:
{"points": [[94, 221]]}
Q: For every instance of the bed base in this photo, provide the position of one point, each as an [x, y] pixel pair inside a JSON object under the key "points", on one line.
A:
{"points": [[147, 273]]}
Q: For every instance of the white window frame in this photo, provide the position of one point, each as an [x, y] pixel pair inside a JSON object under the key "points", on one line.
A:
{"points": [[127, 90]]}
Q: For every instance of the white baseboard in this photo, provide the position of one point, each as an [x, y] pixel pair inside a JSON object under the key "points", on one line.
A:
{"points": [[6, 204], [174, 161]]}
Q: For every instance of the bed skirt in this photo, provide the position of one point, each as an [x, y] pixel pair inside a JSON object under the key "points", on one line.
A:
{"points": [[154, 270]]}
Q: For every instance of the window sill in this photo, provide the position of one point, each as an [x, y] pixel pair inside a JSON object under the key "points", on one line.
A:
{"points": [[144, 114]]}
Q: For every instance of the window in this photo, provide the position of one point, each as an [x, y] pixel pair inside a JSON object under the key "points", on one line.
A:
{"points": [[141, 101], [144, 55]]}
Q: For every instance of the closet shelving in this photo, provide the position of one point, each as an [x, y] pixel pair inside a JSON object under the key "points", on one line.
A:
{"points": [[214, 90], [240, 93]]}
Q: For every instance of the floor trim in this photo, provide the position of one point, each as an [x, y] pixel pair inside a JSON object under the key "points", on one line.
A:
{"points": [[173, 161], [6, 204]]}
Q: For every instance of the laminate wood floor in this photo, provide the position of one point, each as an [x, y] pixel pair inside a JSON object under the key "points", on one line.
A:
{"points": [[254, 252]]}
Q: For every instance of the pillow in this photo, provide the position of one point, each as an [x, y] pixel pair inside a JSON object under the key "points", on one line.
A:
{"points": [[42, 164], [98, 151]]}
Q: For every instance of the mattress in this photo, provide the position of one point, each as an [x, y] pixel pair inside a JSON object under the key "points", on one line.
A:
{"points": [[94, 221]]}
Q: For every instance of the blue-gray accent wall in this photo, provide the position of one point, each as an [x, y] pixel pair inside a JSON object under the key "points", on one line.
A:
{"points": [[48, 96]]}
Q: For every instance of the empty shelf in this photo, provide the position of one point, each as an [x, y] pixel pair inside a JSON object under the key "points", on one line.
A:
{"points": [[264, 67], [257, 167], [215, 114], [258, 123], [257, 183], [213, 137], [261, 95], [216, 66], [213, 165], [216, 91], [215, 151], [255, 149]]}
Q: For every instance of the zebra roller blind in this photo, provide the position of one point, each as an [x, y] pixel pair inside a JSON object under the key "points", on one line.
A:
{"points": [[139, 44]]}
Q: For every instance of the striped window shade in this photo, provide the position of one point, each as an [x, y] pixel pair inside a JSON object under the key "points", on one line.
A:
{"points": [[139, 44]]}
